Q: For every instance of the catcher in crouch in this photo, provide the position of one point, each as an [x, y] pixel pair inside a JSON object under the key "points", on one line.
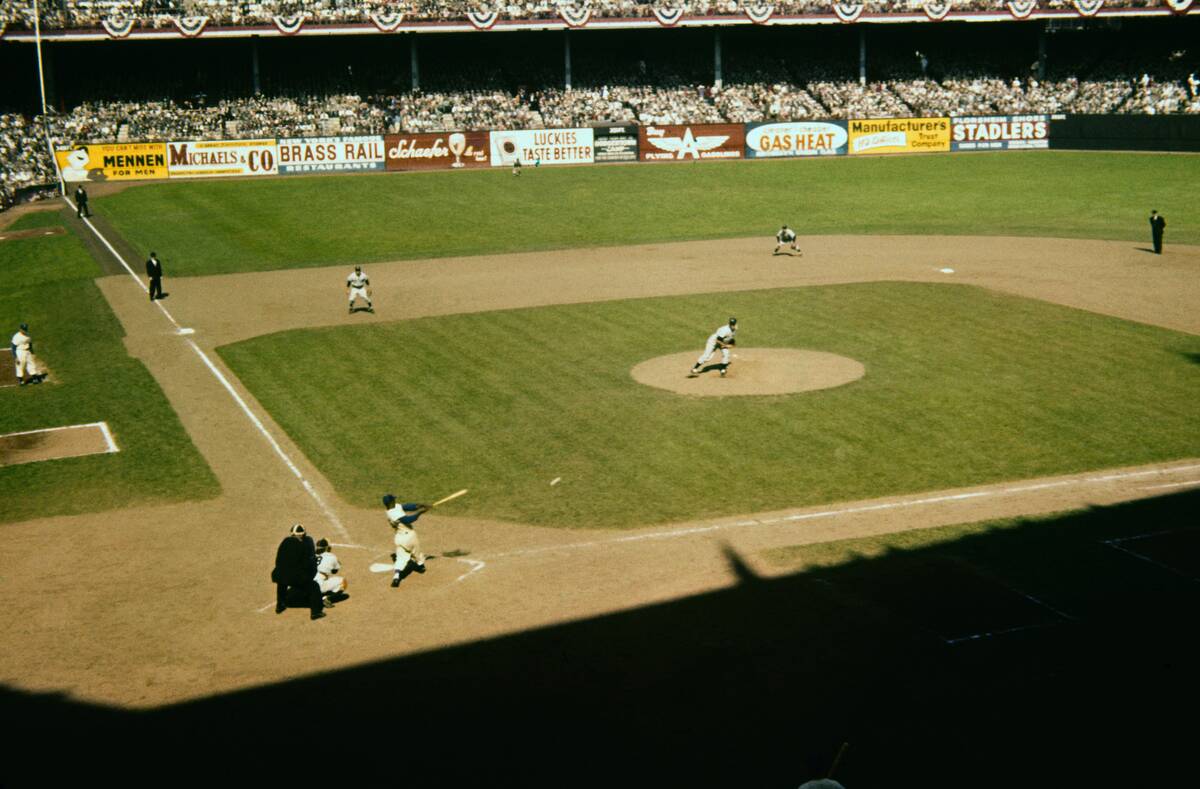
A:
{"points": [[408, 556], [723, 338]]}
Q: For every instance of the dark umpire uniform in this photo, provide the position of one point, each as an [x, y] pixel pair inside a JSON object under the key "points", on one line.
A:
{"points": [[1157, 226], [154, 273], [81, 202], [296, 569]]}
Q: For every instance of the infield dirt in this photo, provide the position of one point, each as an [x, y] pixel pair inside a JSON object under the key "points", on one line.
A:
{"points": [[186, 610]]}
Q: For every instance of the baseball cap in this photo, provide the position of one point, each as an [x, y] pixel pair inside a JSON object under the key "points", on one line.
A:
{"points": [[388, 499], [297, 528], [24, 326]]}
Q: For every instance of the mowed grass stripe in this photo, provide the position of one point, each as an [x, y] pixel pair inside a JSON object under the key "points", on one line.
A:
{"points": [[220, 227], [963, 386]]}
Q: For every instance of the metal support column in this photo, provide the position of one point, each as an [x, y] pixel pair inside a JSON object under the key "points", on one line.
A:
{"points": [[718, 76], [862, 54], [1041, 61], [412, 61], [256, 83], [567, 59]]}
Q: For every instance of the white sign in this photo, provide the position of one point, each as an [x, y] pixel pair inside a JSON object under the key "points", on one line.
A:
{"points": [[544, 146], [796, 139], [211, 158], [330, 154]]}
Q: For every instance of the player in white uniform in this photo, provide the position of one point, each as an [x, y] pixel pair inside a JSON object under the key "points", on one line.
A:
{"points": [[722, 338], [408, 556], [786, 236], [357, 284], [22, 351], [333, 586]]}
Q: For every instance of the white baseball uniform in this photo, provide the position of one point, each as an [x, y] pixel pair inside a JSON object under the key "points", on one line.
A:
{"points": [[327, 578], [785, 236], [408, 545], [724, 334], [357, 282], [23, 355]]}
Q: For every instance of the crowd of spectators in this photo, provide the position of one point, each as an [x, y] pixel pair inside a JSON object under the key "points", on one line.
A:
{"points": [[88, 14], [24, 159]]}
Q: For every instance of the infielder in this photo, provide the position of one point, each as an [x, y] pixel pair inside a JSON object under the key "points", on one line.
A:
{"points": [[408, 556], [722, 338], [333, 586], [22, 351], [786, 236], [357, 284]]}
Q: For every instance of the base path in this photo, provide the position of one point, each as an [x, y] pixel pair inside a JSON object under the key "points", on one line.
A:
{"points": [[189, 612]]}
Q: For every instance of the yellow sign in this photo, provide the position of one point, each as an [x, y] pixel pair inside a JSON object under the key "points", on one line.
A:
{"points": [[899, 135], [118, 162]]}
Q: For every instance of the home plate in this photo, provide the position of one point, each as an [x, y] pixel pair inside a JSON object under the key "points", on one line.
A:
{"points": [[946, 270]]}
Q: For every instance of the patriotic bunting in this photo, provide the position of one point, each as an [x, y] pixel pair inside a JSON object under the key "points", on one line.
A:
{"points": [[388, 22], [849, 10], [117, 29], [759, 14]]}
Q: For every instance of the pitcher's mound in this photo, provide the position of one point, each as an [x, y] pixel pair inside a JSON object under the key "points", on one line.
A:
{"points": [[753, 371]]}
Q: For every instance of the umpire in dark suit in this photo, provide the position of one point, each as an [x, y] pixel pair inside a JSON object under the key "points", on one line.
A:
{"points": [[1157, 226], [81, 204], [154, 273], [296, 568]]}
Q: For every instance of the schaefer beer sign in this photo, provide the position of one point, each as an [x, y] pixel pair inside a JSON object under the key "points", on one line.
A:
{"points": [[121, 162], [899, 135], [331, 154], [445, 150], [213, 158], [1000, 132], [806, 138]]}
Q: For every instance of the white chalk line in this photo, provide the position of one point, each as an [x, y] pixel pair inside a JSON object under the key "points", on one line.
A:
{"points": [[312, 492], [1189, 483], [287, 460], [1116, 545], [101, 426], [145, 288], [993, 633], [843, 511]]}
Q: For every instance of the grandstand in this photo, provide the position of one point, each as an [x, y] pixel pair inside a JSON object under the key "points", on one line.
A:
{"points": [[1122, 60]]}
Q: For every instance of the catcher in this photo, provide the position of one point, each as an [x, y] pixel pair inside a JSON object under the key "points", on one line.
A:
{"points": [[722, 338], [408, 556]]}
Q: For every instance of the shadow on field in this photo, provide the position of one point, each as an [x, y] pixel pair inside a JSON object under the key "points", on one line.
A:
{"points": [[1194, 358], [1061, 647]]}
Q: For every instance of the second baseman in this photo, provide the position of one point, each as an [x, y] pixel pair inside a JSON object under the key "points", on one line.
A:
{"points": [[357, 284], [723, 338]]}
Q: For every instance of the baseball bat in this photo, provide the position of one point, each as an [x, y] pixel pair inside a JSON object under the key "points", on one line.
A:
{"points": [[448, 498]]}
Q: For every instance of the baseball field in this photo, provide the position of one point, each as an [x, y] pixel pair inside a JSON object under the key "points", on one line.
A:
{"points": [[1021, 440]]}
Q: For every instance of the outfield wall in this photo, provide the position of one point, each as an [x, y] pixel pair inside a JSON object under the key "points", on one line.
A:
{"points": [[625, 143]]}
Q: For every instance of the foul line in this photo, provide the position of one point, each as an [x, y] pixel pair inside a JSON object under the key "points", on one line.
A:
{"points": [[833, 513], [312, 492]]}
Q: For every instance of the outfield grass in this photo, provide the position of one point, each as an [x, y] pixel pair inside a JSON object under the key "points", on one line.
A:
{"points": [[249, 225], [49, 286], [963, 386]]}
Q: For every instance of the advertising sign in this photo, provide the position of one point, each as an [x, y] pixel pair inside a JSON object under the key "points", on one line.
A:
{"points": [[801, 138], [446, 150], [330, 154], [616, 143], [212, 158], [698, 141], [120, 162], [543, 146], [899, 135], [1001, 132]]}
